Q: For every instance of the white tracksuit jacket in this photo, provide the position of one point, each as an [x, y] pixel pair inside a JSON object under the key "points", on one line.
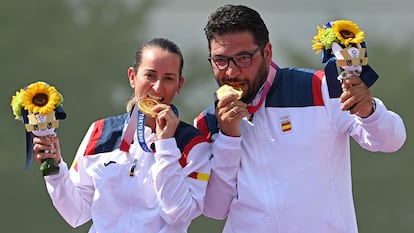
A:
{"points": [[166, 192], [290, 171]]}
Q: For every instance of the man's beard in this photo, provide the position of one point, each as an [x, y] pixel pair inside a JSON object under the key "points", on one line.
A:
{"points": [[258, 82]]}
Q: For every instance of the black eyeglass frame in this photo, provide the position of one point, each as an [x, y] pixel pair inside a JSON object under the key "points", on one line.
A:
{"points": [[232, 58]]}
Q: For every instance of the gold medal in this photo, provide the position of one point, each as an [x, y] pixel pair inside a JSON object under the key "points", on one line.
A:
{"points": [[225, 89], [145, 105]]}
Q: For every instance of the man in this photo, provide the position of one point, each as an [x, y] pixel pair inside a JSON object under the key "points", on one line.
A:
{"points": [[282, 152]]}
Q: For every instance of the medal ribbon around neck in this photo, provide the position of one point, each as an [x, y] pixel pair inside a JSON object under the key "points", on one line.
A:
{"points": [[270, 77], [136, 121], [141, 132]]}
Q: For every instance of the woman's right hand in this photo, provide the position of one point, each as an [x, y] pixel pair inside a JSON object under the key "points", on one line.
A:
{"points": [[166, 121], [46, 147]]}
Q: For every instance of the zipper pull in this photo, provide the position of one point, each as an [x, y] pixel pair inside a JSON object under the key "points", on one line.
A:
{"points": [[132, 170]]}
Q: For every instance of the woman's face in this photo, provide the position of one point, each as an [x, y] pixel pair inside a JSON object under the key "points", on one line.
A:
{"points": [[157, 76]]}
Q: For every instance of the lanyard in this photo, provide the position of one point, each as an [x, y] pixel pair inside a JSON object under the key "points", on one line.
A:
{"points": [[136, 122], [133, 125], [141, 132], [270, 77]]}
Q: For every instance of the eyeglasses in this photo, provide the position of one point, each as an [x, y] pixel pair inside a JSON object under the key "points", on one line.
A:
{"points": [[242, 60]]}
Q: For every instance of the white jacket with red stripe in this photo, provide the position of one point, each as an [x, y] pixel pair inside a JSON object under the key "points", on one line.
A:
{"points": [[165, 193], [290, 171]]}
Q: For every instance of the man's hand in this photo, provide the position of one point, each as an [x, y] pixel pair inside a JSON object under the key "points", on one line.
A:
{"points": [[356, 97], [229, 112]]}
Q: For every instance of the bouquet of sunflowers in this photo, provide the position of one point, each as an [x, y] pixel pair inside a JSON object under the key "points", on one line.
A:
{"points": [[342, 45], [39, 107]]}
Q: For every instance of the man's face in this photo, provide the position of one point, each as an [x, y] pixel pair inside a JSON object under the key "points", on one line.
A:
{"points": [[240, 46]]}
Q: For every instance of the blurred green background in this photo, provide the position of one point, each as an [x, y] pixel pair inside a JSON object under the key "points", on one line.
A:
{"points": [[84, 47]]}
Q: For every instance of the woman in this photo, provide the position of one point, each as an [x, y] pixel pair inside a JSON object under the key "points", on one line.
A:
{"points": [[156, 183]]}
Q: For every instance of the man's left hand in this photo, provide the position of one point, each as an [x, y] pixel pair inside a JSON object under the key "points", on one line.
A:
{"points": [[356, 97]]}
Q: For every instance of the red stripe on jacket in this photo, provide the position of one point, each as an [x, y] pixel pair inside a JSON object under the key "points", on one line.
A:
{"points": [[184, 154], [316, 88], [202, 126], [95, 136]]}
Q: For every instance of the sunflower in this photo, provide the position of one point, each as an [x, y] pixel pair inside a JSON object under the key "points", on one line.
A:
{"points": [[348, 32], [343, 32], [41, 98]]}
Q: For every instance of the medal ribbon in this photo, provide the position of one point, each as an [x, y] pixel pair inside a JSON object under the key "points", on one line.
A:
{"points": [[130, 131], [270, 77], [140, 129], [141, 132]]}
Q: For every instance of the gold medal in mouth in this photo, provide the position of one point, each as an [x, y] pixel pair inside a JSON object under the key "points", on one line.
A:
{"points": [[145, 105], [225, 89]]}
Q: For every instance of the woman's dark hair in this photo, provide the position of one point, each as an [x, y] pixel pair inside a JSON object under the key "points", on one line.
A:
{"points": [[163, 44]]}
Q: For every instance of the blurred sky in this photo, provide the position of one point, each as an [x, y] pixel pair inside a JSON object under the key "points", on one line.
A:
{"points": [[288, 21]]}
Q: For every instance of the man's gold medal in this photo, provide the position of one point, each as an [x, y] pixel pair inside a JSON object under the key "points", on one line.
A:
{"points": [[225, 89]]}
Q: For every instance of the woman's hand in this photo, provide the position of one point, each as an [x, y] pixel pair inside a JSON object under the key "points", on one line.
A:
{"points": [[166, 121], [46, 147]]}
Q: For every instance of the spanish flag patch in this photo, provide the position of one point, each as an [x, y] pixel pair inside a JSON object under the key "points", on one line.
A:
{"points": [[285, 124]]}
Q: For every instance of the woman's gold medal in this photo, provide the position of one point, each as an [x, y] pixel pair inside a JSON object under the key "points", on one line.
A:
{"points": [[145, 105]]}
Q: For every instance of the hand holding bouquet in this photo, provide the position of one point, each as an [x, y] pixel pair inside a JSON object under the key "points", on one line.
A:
{"points": [[39, 107]]}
